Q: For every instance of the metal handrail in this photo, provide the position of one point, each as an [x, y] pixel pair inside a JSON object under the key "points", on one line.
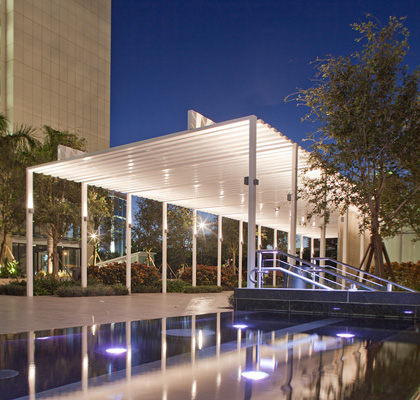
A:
{"points": [[305, 270], [388, 282], [258, 281], [353, 283]]}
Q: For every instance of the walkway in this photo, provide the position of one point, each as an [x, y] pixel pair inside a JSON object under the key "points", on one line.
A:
{"points": [[22, 314]]}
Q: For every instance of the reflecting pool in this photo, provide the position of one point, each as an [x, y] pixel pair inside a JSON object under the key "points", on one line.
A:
{"points": [[244, 355]]}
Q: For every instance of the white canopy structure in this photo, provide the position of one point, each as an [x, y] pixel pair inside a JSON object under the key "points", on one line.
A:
{"points": [[204, 168]]}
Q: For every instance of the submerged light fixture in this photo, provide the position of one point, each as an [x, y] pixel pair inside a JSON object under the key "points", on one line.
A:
{"points": [[345, 335], [240, 326], [116, 350], [254, 375]]}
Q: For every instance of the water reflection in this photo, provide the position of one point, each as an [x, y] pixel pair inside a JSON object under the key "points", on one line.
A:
{"points": [[212, 357]]}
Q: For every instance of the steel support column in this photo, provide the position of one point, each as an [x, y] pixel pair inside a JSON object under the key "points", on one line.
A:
{"points": [[164, 245], [83, 240], [293, 204], [241, 243], [29, 233], [252, 196], [194, 254], [129, 224], [219, 251], [275, 247]]}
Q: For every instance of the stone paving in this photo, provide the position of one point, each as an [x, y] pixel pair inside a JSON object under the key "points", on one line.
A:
{"points": [[22, 314]]}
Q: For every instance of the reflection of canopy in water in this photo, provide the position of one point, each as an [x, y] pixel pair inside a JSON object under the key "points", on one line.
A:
{"points": [[203, 168]]}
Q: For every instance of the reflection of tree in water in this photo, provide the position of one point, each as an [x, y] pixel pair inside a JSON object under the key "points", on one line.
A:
{"points": [[389, 373]]}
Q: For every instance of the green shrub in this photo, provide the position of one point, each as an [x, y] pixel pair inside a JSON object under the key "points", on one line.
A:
{"points": [[70, 291], [176, 286], [202, 289], [113, 274], [11, 269], [119, 290], [231, 300], [45, 285], [14, 289], [95, 290], [146, 289], [406, 274], [207, 275], [98, 290]]}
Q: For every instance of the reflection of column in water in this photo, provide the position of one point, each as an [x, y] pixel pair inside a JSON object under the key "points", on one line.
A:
{"points": [[287, 387], [128, 346], [193, 340], [163, 346], [85, 360], [341, 372], [218, 336], [320, 372], [31, 364], [239, 340], [249, 363], [163, 360]]}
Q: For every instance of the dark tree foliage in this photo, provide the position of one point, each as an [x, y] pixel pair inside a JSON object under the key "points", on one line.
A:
{"points": [[15, 145], [366, 109]]}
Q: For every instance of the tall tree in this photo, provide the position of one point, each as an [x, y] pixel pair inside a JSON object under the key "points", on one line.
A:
{"points": [[147, 230], [57, 201], [14, 148], [101, 222], [147, 227], [366, 109]]}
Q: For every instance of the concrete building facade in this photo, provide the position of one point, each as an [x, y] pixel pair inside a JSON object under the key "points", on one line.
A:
{"points": [[55, 66]]}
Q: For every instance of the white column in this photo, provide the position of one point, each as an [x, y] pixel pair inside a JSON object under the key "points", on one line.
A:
{"points": [[323, 248], [274, 256], [345, 237], [129, 224], [259, 241], [129, 351], [194, 254], [312, 247], [83, 240], [293, 204], [301, 247], [85, 360], [361, 246], [164, 245], [252, 196], [241, 242], [31, 365], [219, 251], [29, 233]]}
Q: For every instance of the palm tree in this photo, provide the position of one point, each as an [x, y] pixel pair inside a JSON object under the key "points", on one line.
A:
{"points": [[15, 148], [57, 200]]}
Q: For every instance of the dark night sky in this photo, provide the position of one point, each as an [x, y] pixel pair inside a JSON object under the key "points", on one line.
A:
{"points": [[228, 59]]}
